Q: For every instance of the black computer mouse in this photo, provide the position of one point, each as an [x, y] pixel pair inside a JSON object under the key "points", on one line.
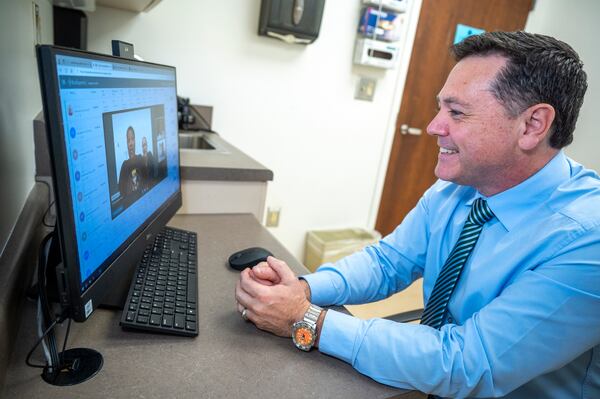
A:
{"points": [[248, 257]]}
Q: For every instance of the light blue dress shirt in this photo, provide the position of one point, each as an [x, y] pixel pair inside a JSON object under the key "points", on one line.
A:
{"points": [[524, 319]]}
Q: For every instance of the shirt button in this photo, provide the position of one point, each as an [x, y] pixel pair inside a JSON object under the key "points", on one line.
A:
{"points": [[450, 319]]}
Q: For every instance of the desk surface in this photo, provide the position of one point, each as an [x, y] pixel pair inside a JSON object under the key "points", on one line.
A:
{"points": [[229, 359]]}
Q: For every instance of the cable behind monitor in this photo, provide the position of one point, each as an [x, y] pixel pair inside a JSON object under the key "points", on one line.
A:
{"points": [[69, 366]]}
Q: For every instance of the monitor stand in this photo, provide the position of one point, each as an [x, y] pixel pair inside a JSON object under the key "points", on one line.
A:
{"points": [[74, 365]]}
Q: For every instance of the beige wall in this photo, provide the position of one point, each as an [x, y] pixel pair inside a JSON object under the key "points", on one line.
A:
{"points": [[576, 22], [290, 107], [20, 101]]}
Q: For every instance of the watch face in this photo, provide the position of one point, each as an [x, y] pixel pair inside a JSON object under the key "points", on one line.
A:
{"points": [[303, 335]]}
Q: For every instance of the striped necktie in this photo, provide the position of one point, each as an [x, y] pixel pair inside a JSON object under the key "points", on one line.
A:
{"points": [[437, 305]]}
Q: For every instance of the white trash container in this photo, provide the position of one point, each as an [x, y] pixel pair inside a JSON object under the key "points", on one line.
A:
{"points": [[324, 246]]}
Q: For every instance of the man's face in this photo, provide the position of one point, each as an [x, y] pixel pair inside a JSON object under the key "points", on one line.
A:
{"points": [[131, 143], [144, 146], [478, 140]]}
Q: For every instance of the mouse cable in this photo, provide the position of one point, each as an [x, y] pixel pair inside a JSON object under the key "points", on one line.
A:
{"points": [[40, 331], [46, 214], [27, 359], [43, 180], [45, 312]]}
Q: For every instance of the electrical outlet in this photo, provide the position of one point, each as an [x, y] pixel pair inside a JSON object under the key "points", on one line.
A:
{"points": [[365, 89], [273, 216]]}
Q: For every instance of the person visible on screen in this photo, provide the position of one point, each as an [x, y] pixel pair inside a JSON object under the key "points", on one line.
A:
{"points": [[150, 165], [132, 175], [507, 243]]}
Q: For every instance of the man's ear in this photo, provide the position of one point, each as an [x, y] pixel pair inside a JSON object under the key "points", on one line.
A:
{"points": [[537, 123]]}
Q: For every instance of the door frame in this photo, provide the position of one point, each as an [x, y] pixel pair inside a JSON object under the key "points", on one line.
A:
{"points": [[412, 20]]}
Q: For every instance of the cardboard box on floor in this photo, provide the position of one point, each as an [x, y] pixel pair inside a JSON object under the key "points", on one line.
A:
{"points": [[325, 246]]}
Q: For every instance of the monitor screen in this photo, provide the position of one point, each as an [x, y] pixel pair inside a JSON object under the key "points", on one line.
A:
{"points": [[113, 132]]}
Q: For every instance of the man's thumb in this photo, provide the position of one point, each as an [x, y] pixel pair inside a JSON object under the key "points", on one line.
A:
{"points": [[281, 268]]}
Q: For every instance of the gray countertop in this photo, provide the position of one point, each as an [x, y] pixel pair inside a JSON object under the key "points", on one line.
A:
{"points": [[225, 162], [230, 358]]}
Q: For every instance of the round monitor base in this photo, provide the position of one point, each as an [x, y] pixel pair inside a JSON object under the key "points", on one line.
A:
{"points": [[77, 365]]}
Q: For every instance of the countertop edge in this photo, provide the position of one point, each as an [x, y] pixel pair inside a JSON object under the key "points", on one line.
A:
{"points": [[227, 163], [228, 174]]}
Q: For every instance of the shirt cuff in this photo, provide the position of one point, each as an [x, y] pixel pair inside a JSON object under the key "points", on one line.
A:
{"points": [[322, 288], [338, 335]]}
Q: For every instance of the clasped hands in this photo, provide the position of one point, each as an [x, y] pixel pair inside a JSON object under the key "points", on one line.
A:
{"points": [[274, 298]]}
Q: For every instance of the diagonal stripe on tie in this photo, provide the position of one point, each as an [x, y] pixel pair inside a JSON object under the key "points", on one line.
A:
{"points": [[437, 305]]}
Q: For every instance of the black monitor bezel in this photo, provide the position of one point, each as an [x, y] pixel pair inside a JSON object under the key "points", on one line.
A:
{"points": [[112, 285]]}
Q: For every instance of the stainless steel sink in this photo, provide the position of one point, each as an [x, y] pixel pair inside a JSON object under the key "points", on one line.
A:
{"points": [[195, 141]]}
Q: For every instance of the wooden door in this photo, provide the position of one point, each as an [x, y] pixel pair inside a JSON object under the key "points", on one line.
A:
{"points": [[413, 158]]}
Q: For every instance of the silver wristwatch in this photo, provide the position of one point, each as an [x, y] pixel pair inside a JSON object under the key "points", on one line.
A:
{"points": [[304, 332]]}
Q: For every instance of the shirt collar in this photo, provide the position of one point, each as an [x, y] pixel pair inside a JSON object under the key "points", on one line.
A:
{"points": [[518, 202]]}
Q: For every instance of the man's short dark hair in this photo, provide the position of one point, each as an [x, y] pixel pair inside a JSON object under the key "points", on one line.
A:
{"points": [[540, 69], [132, 131]]}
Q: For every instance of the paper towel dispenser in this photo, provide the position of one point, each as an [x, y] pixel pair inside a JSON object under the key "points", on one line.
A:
{"points": [[293, 21]]}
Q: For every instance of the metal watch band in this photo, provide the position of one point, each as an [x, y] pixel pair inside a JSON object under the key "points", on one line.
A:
{"points": [[312, 315]]}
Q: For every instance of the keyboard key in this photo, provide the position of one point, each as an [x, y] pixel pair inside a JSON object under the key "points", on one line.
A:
{"points": [[130, 316], [167, 321], [155, 320], [190, 326], [192, 286], [179, 321]]}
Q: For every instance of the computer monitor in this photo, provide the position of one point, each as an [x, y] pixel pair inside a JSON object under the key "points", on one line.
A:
{"points": [[113, 140]]}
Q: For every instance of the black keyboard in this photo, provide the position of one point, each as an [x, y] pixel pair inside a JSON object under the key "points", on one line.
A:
{"points": [[163, 296]]}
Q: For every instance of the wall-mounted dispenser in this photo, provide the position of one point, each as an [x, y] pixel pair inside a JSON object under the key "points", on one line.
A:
{"points": [[376, 53], [293, 21], [379, 33]]}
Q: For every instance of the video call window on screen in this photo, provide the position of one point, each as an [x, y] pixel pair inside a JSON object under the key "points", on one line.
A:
{"points": [[135, 153]]}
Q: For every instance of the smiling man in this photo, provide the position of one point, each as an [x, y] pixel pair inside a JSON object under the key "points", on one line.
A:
{"points": [[507, 242], [481, 144]]}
